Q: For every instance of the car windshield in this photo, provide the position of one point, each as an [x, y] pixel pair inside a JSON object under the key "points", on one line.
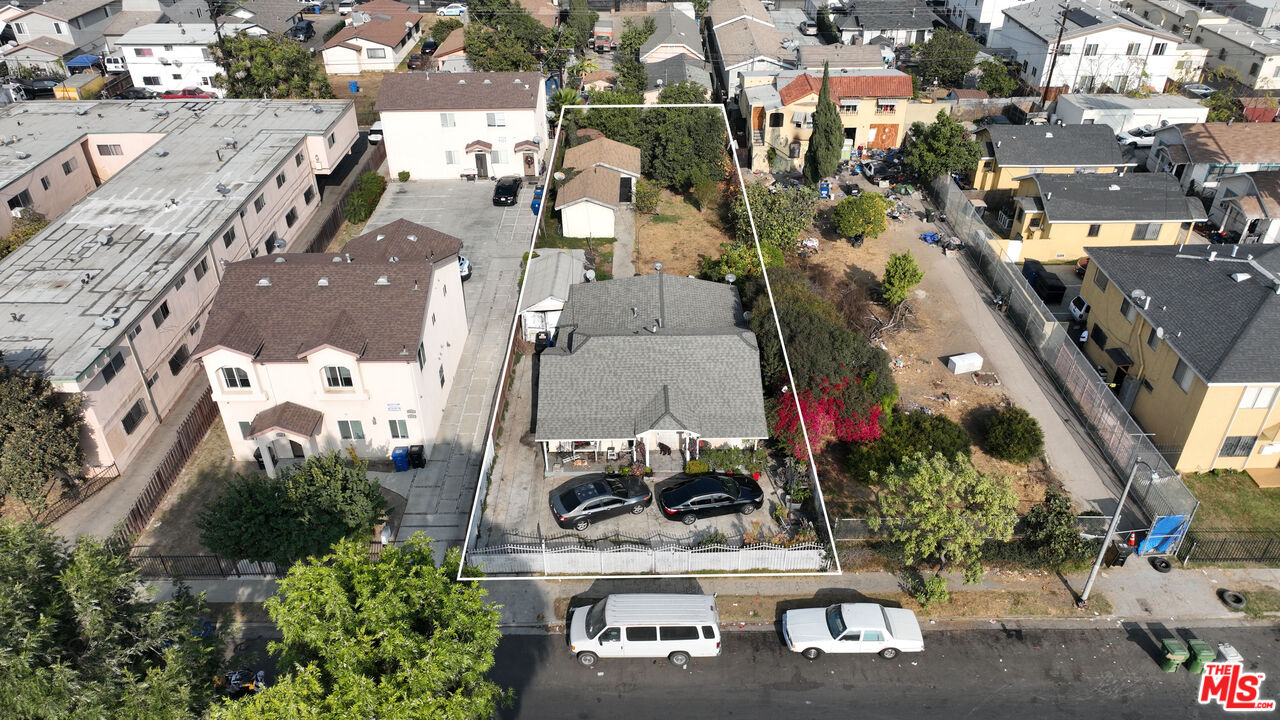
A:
{"points": [[835, 621], [595, 619], [729, 485]]}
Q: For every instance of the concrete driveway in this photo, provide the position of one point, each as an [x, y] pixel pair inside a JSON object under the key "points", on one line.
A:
{"points": [[494, 239]]}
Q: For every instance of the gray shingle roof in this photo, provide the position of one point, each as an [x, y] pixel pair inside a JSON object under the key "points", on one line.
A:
{"points": [[1132, 197], [884, 15], [677, 69], [610, 377], [672, 28], [550, 275], [1043, 17], [1228, 331], [1053, 145]]}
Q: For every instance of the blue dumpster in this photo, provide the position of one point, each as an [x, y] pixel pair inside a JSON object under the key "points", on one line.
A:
{"points": [[400, 456], [353, 86]]}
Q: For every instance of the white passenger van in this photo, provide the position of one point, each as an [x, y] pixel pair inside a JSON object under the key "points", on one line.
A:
{"points": [[676, 627]]}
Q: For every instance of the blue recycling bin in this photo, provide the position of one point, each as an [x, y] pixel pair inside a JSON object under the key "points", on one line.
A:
{"points": [[400, 456], [535, 205], [353, 86], [824, 190]]}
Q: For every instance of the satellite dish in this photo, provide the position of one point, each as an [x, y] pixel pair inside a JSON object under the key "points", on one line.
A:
{"points": [[729, 278], [1160, 332], [558, 175], [279, 243], [590, 275]]}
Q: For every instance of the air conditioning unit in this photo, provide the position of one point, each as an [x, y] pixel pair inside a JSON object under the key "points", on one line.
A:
{"points": [[16, 212], [177, 63], [164, 61], [106, 322]]}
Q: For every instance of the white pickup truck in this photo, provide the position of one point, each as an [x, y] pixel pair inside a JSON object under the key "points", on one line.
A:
{"points": [[852, 628]]}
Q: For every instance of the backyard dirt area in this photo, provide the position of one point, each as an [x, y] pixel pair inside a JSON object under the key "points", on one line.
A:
{"points": [[680, 235], [370, 84]]}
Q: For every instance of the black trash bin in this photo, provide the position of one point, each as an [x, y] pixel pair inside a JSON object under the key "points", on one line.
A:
{"points": [[1122, 553], [417, 456]]}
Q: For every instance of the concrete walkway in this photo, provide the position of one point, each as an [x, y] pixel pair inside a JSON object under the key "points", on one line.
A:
{"points": [[624, 246]]}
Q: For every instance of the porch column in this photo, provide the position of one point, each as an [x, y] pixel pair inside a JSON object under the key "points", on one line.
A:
{"points": [[313, 447], [546, 463]]}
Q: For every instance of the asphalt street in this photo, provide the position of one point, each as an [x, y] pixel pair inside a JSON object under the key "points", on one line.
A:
{"points": [[996, 674]]}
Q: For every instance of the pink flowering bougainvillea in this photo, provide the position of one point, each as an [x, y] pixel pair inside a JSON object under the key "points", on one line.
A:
{"points": [[826, 416]]}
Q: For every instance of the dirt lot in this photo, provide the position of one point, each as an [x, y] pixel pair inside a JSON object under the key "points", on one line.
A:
{"points": [[679, 235], [933, 330], [370, 84]]}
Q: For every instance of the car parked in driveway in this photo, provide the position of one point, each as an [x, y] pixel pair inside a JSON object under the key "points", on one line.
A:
{"points": [[852, 628], [303, 30], [452, 10], [1199, 90], [1144, 136], [415, 62], [688, 498], [595, 497], [507, 190], [808, 27], [375, 133], [1079, 308]]}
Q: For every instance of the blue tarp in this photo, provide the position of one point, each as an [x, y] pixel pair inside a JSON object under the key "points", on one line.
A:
{"points": [[83, 61], [1167, 532]]}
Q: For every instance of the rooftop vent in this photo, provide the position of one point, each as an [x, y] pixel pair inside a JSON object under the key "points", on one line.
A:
{"points": [[380, 237], [337, 259], [1240, 277], [322, 282], [264, 282], [462, 82], [382, 280], [105, 240], [1213, 255], [279, 259], [317, 109], [82, 111], [1048, 135], [21, 155], [223, 189], [412, 238], [516, 81], [488, 82], [162, 113], [161, 152], [1047, 196], [393, 259], [229, 142], [106, 322], [1113, 188]]}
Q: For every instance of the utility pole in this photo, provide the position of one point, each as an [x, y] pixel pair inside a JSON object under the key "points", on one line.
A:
{"points": [[215, 7], [1053, 61]]}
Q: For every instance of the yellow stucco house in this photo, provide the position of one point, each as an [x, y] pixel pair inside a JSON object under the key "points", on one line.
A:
{"points": [[1189, 339], [1054, 217], [1010, 152]]}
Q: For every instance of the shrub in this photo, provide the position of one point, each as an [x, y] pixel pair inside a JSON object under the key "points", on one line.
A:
{"points": [[930, 591], [647, 196], [900, 275], [403, 176], [1052, 533], [334, 29], [363, 200], [863, 215], [695, 467], [704, 193], [1014, 435], [904, 435]]}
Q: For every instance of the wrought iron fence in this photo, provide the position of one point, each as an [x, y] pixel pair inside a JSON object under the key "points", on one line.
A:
{"points": [[1262, 546], [1166, 502], [859, 529], [72, 497]]}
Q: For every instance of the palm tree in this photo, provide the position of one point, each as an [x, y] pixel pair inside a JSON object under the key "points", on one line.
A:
{"points": [[562, 97], [583, 67]]}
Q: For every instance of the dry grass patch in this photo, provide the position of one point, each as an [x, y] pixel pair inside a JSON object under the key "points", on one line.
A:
{"points": [[679, 236], [370, 85]]}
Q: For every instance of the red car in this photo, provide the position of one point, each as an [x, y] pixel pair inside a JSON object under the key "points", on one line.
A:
{"points": [[416, 62], [187, 94]]}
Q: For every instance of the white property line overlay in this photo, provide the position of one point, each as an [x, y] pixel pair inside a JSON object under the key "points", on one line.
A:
{"points": [[497, 406]]}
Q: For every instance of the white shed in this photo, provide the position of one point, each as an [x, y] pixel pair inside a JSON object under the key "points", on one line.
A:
{"points": [[546, 288]]}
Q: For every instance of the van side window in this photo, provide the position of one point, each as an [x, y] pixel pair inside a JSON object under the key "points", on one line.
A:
{"points": [[679, 633], [611, 635], [642, 634], [708, 632]]}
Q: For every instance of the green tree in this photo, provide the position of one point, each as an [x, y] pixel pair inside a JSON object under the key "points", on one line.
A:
{"points": [[901, 274], [823, 155], [1223, 107], [497, 50], [862, 215], [581, 24], [780, 216], [647, 196], [396, 637], [904, 434], [1052, 532], [632, 77], [947, 57], [300, 513], [827, 29], [562, 97], [582, 67], [942, 147], [684, 147], [683, 93], [39, 436], [443, 27], [996, 80], [634, 35], [269, 67], [947, 510], [1014, 435], [80, 641], [738, 259]]}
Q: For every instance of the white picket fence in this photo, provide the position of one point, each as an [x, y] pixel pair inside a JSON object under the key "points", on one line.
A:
{"points": [[534, 559]]}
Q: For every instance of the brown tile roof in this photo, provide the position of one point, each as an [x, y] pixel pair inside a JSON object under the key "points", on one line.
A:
{"points": [[279, 308], [459, 91], [542, 11], [603, 151], [849, 86], [383, 28], [1236, 143], [287, 416], [478, 145], [455, 42], [966, 94], [597, 183], [403, 240]]}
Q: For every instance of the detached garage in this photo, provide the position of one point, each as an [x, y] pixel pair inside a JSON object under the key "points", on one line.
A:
{"points": [[547, 280], [590, 200]]}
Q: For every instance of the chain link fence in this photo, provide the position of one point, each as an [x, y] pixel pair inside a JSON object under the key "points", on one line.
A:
{"points": [[1165, 502]]}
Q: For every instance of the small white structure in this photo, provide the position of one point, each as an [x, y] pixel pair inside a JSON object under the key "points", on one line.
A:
{"points": [[378, 37], [547, 279], [167, 56], [604, 186], [1125, 113], [964, 363]]}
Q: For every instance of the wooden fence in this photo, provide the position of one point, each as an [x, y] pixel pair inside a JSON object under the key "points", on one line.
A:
{"points": [[1262, 546], [190, 432], [374, 155]]}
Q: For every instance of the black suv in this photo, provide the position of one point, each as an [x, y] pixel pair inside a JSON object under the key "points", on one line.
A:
{"points": [[303, 31], [592, 498], [688, 499], [506, 191]]}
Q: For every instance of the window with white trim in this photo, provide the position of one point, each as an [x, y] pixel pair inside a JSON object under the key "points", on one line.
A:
{"points": [[450, 157], [1257, 398], [448, 120], [110, 150], [495, 119], [399, 429], [350, 430], [375, 53], [235, 378], [337, 377]]}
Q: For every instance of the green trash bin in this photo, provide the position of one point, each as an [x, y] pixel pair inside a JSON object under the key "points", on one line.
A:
{"points": [[928, 214], [1175, 653], [1201, 653]]}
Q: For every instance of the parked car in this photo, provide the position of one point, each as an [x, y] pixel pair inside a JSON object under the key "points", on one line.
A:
{"points": [[595, 497], [187, 94], [808, 27], [136, 93], [452, 9], [1137, 137], [852, 628], [675, 627], [507, 190], [416, 62], [688, 499], [37, 87], [1079, 308], [878, 172], [346, 6], [375, 133], [992, 120], [464, 267], [429, 48], [1199, 90], [303, 30]]}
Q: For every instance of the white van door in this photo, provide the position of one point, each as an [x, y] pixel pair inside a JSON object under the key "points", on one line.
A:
{"points": [[611, 644]]}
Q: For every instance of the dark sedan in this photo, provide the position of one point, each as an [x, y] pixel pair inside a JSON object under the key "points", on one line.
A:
{"points": [[136, 93], [688, 499], [592, 498], [506, 191]]}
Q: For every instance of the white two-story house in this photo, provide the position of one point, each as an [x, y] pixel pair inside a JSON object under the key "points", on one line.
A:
{"points": [[45, 35], [311, 352], [446, 125], [167, 56]]}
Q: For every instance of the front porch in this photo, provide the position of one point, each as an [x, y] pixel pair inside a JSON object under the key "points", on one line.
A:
{"points": [[284, 434]]}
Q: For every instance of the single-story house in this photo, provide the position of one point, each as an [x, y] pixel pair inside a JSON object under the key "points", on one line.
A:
{"points": [[378, 37], [547, 278], [451, 55], [674, 70], [589, 201], [597, 80], [646, 362]]}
